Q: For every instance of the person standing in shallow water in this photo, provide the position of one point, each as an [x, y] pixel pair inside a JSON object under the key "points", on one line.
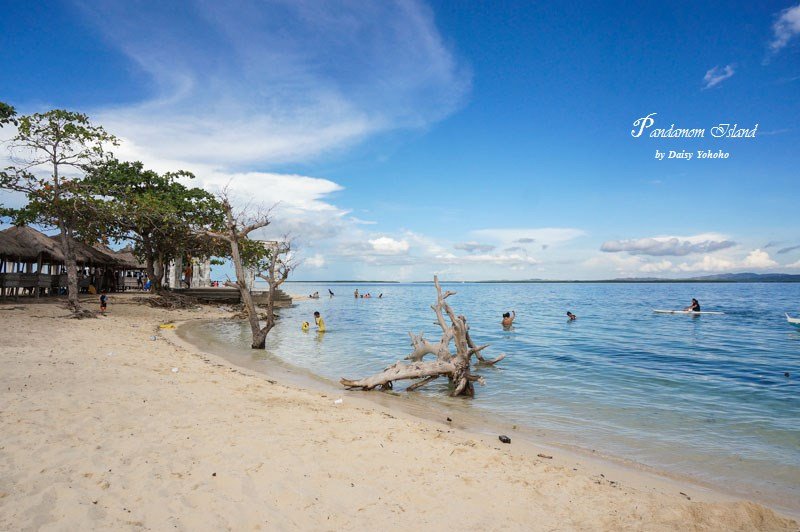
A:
{"points": [[355, 294], [508, 319], [319, 321]]}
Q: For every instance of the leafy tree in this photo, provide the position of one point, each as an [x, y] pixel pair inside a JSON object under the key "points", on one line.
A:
{"points": [[156, 211], [47, 146], [7, 114]]}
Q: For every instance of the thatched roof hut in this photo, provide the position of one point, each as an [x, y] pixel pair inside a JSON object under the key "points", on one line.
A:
{"points": [[127, 259], [31, 244], [11, 249], [26, 244]]}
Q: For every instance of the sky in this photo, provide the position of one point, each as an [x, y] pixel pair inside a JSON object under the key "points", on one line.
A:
{"points": [[473, 140]]}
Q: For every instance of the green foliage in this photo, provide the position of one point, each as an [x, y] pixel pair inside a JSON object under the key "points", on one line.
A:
{"points": [[46, 143], [156, 211], [7, 114]]}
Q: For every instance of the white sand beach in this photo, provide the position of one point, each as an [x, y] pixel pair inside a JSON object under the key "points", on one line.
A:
{"points": [[103, 427]]}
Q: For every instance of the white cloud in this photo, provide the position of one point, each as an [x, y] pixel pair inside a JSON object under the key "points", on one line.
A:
{"points": [[389, 246], [794, 265], [759, 259], [273, 81], [786, 27], [656, 267], [708, 264], [472, 247], [669, 245], [500, 259], [547, 236], [756, 260], [316, 261], [717, 75]]}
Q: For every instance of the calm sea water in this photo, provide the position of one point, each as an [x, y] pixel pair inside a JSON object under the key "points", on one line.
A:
{"points": [[702, 396]]}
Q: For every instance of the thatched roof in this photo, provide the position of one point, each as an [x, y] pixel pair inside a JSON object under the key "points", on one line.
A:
{"points": [[87, 254], [10, 248], [31, 243], [127, 259], [27, 244]]}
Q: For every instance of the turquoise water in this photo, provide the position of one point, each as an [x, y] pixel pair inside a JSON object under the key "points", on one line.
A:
{"points": [[703, 396]]}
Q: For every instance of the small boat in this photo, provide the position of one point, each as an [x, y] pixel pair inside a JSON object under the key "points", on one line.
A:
{"points": [[690, 312], [793, 321]]}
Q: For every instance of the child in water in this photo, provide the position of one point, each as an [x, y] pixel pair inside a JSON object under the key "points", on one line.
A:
{"points": [[571, 316], [319, 321], [304, 327]]}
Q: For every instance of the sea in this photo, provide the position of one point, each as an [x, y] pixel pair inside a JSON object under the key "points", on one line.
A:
{"points": [[711, 398]]}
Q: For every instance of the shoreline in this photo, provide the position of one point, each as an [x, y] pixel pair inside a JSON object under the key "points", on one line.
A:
{"points": [[99, 430], [525, 439]]}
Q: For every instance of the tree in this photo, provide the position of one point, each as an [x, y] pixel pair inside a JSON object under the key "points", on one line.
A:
{"points": [[58, 140], [7, 114], [269, 261], [157, 212], [456, 367]]}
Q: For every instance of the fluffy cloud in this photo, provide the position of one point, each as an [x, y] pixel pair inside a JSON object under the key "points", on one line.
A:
{"points": [[759, 259], [389, 246], [756, 260], [717, 75], [472, 247], [316, 261], [785, 28], [668, 245]]}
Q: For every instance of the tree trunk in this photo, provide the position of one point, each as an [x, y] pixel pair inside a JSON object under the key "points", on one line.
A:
{"points": [[259, 336], [158, 274]]}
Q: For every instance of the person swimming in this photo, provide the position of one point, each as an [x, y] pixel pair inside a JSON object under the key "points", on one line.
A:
{"points": [[694, 307], [571, 316], [304, 327], [508, 318]]}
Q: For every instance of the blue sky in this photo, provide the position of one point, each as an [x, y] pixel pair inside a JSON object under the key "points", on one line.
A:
{"points": [[477, 140]]}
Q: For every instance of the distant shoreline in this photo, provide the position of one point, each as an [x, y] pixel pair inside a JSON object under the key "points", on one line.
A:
{"points": [[790, 279]]}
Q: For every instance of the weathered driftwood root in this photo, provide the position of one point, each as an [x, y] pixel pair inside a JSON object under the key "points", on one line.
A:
{"points": [[456, 367]]}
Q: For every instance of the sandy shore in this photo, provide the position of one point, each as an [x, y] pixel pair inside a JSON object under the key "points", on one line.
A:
{"points": [[99, 431]]}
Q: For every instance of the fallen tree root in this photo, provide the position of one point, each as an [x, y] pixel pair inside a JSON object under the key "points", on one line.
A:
{"points": [[456, 367]]}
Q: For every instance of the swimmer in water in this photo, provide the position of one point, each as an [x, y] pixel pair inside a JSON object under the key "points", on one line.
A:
{"points": [[508, 318], [571, 316]]}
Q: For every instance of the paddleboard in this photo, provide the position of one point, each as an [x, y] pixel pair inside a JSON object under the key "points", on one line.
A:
{"points": [[657, 311], [793, 321]]}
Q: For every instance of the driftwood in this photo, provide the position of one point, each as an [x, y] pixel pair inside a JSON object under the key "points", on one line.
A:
{"points": [[456, 367]]}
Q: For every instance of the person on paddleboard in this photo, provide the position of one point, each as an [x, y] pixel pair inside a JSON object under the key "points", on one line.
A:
{"points": [[694, 307]]}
